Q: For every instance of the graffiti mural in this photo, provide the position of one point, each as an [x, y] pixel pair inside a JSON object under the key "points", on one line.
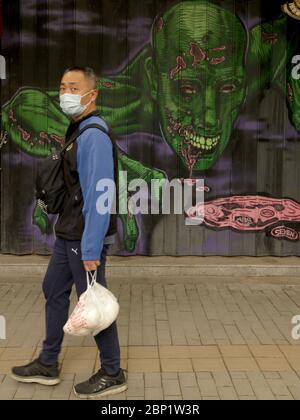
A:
{"points": [[212, 92]]}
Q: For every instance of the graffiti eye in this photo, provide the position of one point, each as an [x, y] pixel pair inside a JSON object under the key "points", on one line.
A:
{"points": [[187, 90], [228, 88]]}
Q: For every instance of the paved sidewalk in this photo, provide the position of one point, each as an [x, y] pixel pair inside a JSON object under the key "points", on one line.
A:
{"points": [[182, 338]]}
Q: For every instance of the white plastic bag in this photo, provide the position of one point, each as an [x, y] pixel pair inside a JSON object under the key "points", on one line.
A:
{"points": [[95, 311]]}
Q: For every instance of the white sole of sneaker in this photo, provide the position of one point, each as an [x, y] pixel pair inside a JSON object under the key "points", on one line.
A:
{"points": [[111, 391], [36, 380]]}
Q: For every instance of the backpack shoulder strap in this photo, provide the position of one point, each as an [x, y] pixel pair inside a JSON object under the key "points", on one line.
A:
{"points": [[79, 132]]}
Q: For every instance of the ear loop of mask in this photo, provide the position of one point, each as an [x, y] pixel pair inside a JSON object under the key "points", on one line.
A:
{"points": [[82, 96]]}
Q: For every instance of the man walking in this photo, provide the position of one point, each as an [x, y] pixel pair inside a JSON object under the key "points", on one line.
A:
{"points": [[83, 237]]}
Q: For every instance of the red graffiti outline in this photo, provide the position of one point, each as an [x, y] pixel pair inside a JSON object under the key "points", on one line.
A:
{"points": [[216, 61], [270, 37], [180, 66], [217, 49], [198, 53], [11, 116], [108, 85], [25, 135]]}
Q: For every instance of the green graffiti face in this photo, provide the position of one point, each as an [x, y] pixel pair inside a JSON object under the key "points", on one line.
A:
{"points": [[199, 68]]}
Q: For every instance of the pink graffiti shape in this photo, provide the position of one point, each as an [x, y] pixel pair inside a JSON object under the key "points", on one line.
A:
{"points": [[108, 85], [43, 135], [181, 65], [247, 213], [285, 232], [216, 61], [222, 48], [197, 53], [25, 135], [11, 116]]}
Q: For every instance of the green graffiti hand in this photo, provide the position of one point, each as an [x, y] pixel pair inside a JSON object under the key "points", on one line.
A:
{"points": [[130, 231], [134, 170], [268, 51], [273, 52], [40, 219], [34, 122]]}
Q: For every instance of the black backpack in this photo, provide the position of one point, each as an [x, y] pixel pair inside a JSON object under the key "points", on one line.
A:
{"points": [[50, 185]]}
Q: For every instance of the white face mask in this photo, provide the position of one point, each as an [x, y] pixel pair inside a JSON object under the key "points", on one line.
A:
{"points": [[71, 104]]}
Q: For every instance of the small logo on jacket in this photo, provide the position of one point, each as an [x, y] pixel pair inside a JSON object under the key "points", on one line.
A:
{"points": [[75, 251], [69, 148]]}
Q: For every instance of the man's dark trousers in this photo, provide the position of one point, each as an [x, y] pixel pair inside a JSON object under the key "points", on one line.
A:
{"points": [[66, 268]]}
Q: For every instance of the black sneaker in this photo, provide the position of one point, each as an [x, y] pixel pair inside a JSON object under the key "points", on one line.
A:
{"points": [[101, 385], [36, 372]]}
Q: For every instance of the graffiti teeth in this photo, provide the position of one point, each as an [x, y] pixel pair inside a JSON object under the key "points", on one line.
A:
{"points": [[202, 143]]}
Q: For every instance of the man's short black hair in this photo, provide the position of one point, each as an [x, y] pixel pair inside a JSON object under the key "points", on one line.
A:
{"points": [[88, 73]]}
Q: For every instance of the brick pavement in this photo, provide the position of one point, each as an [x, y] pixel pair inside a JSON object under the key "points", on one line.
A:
{"points": [[197, 339]]}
